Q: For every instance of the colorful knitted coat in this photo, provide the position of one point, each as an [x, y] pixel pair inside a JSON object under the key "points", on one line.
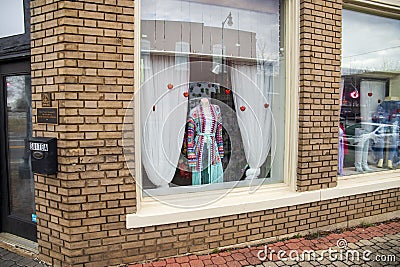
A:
{"points": [[197, 138]]}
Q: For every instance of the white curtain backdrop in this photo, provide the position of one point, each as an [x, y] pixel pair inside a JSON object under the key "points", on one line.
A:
{"points": [[369, 104], [252, 89], [163, 115]]}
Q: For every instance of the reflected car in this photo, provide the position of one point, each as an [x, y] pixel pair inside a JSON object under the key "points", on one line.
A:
{"points": [[376, 130]]}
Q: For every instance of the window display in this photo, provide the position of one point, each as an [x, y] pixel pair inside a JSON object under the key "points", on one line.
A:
{"points": [[370, 97], [211, 96]]}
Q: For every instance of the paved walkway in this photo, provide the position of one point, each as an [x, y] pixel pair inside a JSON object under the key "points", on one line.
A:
{"points": [[11, 259], [377, 245]]}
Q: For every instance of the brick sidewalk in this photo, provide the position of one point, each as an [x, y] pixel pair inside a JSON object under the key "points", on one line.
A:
{"points": [[382, 240]]}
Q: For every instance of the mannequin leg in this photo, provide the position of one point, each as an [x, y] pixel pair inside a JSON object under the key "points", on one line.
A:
{"points": [[393, 140], [341, 156], [364, 162], [358, 155], [379, 147]]}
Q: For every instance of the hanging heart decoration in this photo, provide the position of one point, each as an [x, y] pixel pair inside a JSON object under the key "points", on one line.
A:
{"points": [[354, 94], [170, 86], [242, 108], [227, 91], [266, 105], [370, 94], [185, 94]]}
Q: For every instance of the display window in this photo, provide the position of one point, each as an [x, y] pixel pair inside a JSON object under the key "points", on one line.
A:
{"points": [[370, 94], [211, 94]]}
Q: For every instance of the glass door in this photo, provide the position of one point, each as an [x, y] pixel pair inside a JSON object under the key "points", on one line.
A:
{"points": [[18, 198]]}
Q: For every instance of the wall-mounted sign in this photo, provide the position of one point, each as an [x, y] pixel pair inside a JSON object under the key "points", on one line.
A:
{"points": [[39, 146], [46, 99], [47, 115]]}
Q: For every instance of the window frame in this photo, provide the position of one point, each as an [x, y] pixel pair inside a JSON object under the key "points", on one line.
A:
{"points": [[384, 8], [147, 206]]}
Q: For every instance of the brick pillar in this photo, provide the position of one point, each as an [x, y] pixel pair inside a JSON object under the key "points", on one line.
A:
{"points": [[82, 53], [320, 54]]}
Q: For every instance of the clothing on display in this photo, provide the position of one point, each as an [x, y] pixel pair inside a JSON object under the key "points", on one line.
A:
{"points": [[391, 106], [395, 120], [387, 135], [380, 116], [205, 144]]}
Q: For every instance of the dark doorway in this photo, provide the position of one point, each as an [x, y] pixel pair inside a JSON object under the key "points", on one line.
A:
{"points": [[17, 185]]}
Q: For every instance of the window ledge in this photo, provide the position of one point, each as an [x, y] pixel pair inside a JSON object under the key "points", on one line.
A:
{"points": [[171, 210], [363, 183]]}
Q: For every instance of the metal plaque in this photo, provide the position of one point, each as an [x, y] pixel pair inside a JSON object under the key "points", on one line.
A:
{"points": [[46, 99], [47, 115]]}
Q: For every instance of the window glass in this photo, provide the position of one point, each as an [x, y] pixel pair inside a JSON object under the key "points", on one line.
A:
{"points": [[11, 18], [370, 94], [212, 100], [19, 130]]}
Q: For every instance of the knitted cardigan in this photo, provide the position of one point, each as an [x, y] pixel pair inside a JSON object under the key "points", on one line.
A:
{"points": [[197, 137]]}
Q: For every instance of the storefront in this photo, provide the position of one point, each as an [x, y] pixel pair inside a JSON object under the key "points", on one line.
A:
{"points": [[186, 126]]}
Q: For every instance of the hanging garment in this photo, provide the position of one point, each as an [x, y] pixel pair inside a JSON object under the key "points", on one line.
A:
{"points": [[205, 146]]}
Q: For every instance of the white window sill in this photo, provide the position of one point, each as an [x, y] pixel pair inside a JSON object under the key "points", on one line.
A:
{"points": [[190, 207]]}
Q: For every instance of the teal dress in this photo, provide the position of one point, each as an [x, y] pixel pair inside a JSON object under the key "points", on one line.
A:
{"points": [[205, 145]]}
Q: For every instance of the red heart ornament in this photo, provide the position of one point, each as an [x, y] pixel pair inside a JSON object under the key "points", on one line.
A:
{"points": [[370, 94], [227, 91], [170, 86], [354, 94], [266, 105], [242, 108], [185, 94]]}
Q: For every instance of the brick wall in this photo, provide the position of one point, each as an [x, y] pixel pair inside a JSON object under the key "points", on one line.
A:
{"points": [[82, 52], [320, 51]]}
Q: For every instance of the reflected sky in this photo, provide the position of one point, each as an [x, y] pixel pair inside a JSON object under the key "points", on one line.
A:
{"points": [[11, 17], [258, 16], [370, 42]]}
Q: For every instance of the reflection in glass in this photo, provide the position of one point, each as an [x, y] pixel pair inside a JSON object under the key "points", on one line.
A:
{"points": [[370, 43], [11, 18], [370, 94], [19, 129], [227, 53]]}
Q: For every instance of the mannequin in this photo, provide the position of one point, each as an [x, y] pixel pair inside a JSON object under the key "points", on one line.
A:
{"points": [[381, 117], [341, 151], [393, 138], [205, 145]]}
